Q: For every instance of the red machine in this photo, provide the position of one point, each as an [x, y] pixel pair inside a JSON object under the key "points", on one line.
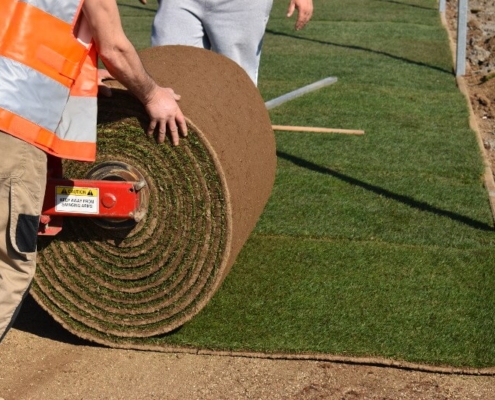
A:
{"points": [[115, 194]]}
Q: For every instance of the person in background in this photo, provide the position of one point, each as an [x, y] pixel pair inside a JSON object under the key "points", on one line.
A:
{"points": [[234, 28], [48, 104]]}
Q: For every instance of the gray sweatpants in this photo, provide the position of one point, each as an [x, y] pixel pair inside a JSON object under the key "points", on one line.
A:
{"points": [[22, 189], [234, 28]]}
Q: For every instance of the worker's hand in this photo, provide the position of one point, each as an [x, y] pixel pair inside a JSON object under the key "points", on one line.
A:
{"points": [[165, 115], [304, 12], [102, 87]]}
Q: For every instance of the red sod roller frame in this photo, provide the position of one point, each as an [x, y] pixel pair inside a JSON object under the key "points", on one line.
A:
{"points": [[115, 193]]}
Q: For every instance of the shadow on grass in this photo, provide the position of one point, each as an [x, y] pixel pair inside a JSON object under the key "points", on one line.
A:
{"points": [[386, 193], [408, 4], [353, 47], [33, 319]]}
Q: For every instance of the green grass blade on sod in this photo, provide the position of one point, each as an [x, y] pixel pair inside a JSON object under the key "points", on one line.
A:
{"points": [[374, 245]]}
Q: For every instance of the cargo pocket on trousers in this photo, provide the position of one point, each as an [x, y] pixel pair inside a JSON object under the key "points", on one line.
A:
{"points": [[24, 220]]}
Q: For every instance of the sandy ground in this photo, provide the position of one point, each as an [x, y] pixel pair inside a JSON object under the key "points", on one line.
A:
{"points": [[45, 362], [34, 367]]}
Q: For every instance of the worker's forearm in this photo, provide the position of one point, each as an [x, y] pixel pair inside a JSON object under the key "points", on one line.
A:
{"points": [[124, 64], [115, 50], [122, 61]]}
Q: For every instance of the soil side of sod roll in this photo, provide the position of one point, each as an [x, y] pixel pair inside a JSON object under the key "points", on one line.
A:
{"points": [[220, 99]]}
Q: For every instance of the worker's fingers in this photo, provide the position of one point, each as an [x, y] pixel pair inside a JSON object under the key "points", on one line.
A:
{"points": [[179, 117], [302, 20], [292, 7], [161, 127], [304, 12], [166, 117], [143, 1], [151, 127], [174, 132], [162, 131], [181, 121], [177, 126]]}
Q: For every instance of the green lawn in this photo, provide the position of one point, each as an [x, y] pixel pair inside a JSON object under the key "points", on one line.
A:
{"points": [[379, 244]]}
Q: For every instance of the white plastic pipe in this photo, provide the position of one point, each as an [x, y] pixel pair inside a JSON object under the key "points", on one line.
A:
{"points": [[441, 6], [462, 10], [299, 92]]}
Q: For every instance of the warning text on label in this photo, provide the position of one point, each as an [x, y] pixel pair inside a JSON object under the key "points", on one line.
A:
{"points": [[77, 200]]}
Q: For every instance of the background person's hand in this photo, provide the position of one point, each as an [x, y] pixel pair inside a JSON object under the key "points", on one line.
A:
{"points": [[304, 12]]}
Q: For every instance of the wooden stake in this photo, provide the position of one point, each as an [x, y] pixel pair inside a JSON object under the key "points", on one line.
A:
{"points": [[313, 129]]}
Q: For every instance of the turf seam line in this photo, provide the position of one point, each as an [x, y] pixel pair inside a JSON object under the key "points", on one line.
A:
{"points": [[357, 241]]}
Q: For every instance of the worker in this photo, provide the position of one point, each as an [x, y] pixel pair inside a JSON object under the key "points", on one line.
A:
{"points": [[48, 81], [234, 28]]}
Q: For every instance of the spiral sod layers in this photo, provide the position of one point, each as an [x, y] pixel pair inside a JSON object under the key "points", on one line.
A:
{"points": [[126, 286], [146, 280]]}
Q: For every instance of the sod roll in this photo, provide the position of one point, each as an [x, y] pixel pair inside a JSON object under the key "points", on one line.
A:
{"points": [[118, 286]]}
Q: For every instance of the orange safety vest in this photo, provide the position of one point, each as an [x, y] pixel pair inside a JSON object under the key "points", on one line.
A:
{"points": [[48, 77]]}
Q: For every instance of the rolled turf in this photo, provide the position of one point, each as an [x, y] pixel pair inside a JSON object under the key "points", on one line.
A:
{"points": [[206, 196]]}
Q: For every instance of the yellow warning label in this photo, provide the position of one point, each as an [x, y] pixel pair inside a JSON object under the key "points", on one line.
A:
{"points": [[77, 191]]}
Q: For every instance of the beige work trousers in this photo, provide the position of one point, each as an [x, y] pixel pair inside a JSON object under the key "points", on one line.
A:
{"points": [[22, 189]]}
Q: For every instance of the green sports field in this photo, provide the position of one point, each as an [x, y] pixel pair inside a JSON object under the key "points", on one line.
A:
{"points": [[374, 245]]}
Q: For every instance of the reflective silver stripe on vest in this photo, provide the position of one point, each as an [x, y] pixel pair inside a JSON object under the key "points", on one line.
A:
{"points": [[64, 10], [79, 120], [31, 95]]}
